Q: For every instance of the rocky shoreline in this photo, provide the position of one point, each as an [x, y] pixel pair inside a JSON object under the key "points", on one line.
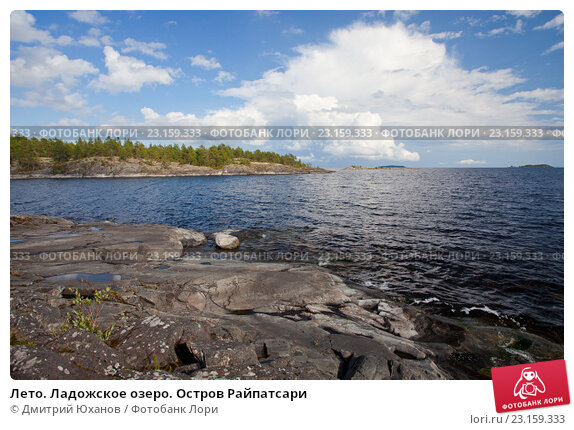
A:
{"points": [[170, 313], [106, 167]]}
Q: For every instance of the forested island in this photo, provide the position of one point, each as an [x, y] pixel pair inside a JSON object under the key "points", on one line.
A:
{"points": [[34, 158], [532, 166]]}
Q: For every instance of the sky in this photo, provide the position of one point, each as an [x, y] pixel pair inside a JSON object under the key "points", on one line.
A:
{"points": [[320, 68]]}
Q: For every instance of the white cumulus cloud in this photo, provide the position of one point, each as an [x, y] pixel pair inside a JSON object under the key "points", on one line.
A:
{"points": [[386, 74], [22, 29], [204, 62], [539, 94], [222, 117], [89, 41], [91, 17], [313, 102], [471, 161], [196, 80], [292, 30], [446, 35], [37, 65], [371, 150], [223, 77], [153, 49], [524, 13], [404, 15], [57, 96], [373, 75], [67, 122], [128, 74]]}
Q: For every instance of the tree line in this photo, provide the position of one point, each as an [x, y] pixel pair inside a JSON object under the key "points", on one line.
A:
{"points": [[26, 151]]}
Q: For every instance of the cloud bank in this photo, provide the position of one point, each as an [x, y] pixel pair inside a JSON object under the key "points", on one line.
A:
{"points": [[371, 75]]}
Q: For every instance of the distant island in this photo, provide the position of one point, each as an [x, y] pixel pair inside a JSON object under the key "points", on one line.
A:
{"points": [[530, 166], [374, 168], [94, 158]]}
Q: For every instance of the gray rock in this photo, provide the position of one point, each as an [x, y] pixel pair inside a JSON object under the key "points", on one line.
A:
{"points": [[88, 352], [417, 369], [275, 348], [265, 288], [101, 241], [368, 367], [34, 321], [40, 363], [39, 220], [189, 238], [356, 346], [400, 322], [226, 241], [105, 167], [193, 299], [150, 375], [217, 354], [368, 304], [192, 321], [158, 343]]}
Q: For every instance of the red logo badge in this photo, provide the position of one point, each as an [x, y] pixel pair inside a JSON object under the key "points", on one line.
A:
{"points": [[529, 386]]}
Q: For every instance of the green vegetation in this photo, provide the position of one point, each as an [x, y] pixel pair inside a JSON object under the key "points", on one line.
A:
{"points": [[156, 365], [15, 339], [85, 316], [26, 152]]}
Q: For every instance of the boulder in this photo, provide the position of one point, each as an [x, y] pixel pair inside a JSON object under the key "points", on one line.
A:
{"points": [[226, 241], [189, 238]]}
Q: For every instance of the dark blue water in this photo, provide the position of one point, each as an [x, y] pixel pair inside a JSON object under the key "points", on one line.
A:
{"points": [[486, 243]]}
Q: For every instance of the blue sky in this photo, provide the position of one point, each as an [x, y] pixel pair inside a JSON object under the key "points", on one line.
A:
{"points": [[325, 68]]}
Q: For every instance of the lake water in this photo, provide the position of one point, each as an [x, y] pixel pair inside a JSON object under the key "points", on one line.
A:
{"points": [[482, 243]]}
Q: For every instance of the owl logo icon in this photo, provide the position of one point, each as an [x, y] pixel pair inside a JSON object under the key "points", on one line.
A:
{"points": [[529, 384]]}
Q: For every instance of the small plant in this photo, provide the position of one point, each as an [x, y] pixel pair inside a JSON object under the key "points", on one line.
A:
{"points": [[87, 311], [155, 361], [58, 331], [16, 339]]}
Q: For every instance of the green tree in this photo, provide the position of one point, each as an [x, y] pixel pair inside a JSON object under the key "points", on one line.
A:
{"points": [[26, 152], [61, 151]]}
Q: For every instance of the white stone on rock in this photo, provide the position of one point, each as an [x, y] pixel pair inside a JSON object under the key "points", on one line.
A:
{"points": [[226, 241]]}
